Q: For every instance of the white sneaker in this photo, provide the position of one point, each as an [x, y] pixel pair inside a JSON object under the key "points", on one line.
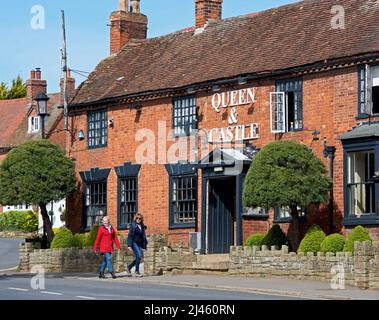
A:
{"points": [[138, 275]]}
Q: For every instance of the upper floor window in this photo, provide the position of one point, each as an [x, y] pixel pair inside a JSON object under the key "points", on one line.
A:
{"points": [[368, 90], [34, 124], [286, 106], [184, 115], [97, 129]]}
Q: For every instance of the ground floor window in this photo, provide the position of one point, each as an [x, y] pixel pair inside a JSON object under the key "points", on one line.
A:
{"points": [[184, 200], [283, 214], [361, 186], [95, 196], [128, 203], [95, 203]]}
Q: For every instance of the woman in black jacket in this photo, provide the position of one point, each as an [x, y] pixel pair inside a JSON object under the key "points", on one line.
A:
{"points": [[136, 242]]}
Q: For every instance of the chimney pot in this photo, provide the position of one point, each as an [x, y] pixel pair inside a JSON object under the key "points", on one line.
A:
{"points": [[32, 75], [38, 73], [126, 26]]}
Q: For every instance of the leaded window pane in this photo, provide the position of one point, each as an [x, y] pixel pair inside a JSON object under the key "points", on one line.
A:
{"points": [[97, 129], [184, 115]]}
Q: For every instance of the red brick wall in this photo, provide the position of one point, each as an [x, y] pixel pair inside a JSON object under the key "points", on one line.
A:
{"points": [[330, 103]]}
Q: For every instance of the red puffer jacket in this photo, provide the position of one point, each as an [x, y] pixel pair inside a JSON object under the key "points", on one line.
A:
{"points": [[106, 239]]}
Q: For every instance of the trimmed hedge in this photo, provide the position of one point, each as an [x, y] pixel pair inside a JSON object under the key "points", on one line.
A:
{"points": [[91, 237], [64, 239], [78, 240], [275, 237], [312, 240], [333, 243], [25, 221], [360, 234], [255, 240]]}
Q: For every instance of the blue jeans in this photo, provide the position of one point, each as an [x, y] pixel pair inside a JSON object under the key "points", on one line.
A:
{"points": [[106, 262], [138, 253]]}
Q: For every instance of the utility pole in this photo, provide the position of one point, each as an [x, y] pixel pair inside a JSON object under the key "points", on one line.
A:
{"points": [[64, 69]]}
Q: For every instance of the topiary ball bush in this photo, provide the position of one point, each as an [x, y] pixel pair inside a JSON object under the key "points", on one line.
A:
{"points": [[360, 234], [79, 240], [91, 237], [333, 243], [255, 240], [64, 239], [275, 237], [312, 240]]}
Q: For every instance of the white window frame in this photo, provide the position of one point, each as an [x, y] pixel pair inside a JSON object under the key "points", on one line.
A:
{"points": [[34, 124], [273, 104], [371, 80]]}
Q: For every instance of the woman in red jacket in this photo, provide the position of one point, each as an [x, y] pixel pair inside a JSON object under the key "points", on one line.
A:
{"points": [[106, 236]]}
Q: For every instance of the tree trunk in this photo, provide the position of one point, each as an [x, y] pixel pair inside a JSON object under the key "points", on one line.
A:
{"points": [[295, 228], [47, 227]]}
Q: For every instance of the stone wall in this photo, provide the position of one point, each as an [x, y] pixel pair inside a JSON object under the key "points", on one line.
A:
{"points": [[361, 270], [17, 234]]}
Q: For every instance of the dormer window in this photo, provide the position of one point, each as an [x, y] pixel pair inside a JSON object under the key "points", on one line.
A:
{"points": [[34, 124]]}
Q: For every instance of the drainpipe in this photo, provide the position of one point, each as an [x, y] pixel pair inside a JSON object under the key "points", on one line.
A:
{"points": [[329, 151]]}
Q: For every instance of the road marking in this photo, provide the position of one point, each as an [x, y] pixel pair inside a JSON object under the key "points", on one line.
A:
{"points": [[84, 297], [52, 293], [18, 289]]}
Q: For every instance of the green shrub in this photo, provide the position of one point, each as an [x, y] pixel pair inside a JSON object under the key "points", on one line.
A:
{"points": [[255, 240], [64, 239], [333, 243], [275, 237], [25, 221], [91, 237], [312, 240], [360, 234], [79, 240]]}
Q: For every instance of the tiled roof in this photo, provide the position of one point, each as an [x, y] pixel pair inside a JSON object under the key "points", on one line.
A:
{"points": [[290, 36], [12, 113], [21, 134]]}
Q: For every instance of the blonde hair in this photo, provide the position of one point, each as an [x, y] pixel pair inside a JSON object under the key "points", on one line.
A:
{"points": [[138, 215]]}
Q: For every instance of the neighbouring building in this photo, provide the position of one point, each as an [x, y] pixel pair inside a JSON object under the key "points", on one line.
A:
{"points": [[20, 122], [307, 72]]}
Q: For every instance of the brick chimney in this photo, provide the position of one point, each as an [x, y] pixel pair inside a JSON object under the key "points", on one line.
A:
{"points": [[70, 87], [35, 85], [126, 24], [207, 11]]}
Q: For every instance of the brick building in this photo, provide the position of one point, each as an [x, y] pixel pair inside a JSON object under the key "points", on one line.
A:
{"points": [[305, 72], [20, 122]]}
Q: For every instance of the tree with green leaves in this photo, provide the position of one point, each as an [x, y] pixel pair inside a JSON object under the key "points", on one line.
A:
{"points": [[286, 174], [17, 90], [4, 92], [37, 172]]}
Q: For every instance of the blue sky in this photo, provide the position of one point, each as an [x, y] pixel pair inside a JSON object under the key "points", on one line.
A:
{"points": [[23, 48]]}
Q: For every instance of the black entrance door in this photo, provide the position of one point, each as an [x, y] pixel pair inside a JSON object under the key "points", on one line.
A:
{"points": [[221, 215]]}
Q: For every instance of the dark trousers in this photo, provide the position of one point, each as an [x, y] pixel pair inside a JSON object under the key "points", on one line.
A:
{"points": [[138, 253]]}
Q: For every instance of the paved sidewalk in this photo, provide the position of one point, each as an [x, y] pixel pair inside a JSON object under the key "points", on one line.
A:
{"points": [[272, 286]]}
